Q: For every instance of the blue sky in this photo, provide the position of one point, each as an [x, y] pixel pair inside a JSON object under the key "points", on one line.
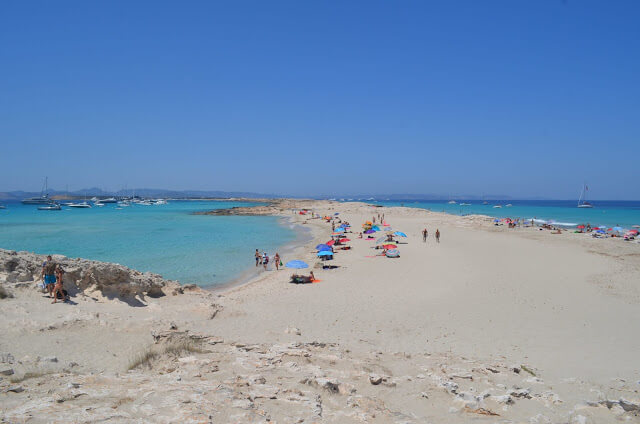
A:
{"points": [[525, 98]]}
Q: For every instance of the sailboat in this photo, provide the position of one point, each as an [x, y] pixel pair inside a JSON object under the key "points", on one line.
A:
{"points": [[43, 199], [582, 201]]}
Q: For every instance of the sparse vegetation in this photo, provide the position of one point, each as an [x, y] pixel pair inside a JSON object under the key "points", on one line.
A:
{"points": [[529, 370], [174, 348]]}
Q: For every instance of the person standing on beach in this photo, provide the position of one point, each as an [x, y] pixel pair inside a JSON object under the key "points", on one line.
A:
{"points": [[424, 235], [265, 260], [438, 235], [58, 287], [258, 257], [48, 274], [276, 261]]}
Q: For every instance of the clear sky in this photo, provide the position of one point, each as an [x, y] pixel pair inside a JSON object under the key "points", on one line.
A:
{"points": [[525, 98]]}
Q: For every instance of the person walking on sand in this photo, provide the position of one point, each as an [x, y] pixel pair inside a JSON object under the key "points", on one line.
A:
{"points": [[48, 274], [258, 257], [265, 260], [424, 235], [437, 235], [276, 261], [58, 287]]}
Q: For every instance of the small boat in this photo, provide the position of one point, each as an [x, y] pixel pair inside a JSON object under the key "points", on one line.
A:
{"points": [[3, 207], [508, 205], [485, 203], [452, 202], [108, 200], [582, 201], [465, 204], [50, 207], [497, 206], [81, 205]]}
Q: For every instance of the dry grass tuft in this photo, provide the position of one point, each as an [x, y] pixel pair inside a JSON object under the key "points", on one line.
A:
{"points": [[175, 348]]}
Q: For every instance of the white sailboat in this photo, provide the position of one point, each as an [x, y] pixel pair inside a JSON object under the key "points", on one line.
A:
{"points": [[582, 201]]}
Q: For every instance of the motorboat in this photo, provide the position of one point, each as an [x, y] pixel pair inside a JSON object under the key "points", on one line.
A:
{"points": [[452, 202], [465, 204], [497, 206], [81, 205], [508, 205], [50, 207], [108, 200]]}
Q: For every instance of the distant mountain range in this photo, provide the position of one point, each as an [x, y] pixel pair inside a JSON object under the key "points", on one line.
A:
{"points": [[142, 192], [163, 193]]}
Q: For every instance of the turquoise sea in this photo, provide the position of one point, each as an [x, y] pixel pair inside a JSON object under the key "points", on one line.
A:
{"points": [[561, 212], [164, 239]]}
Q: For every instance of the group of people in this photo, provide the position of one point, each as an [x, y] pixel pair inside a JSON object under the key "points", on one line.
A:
{"points": [[425, 234], [52, 273], [263, 259]]}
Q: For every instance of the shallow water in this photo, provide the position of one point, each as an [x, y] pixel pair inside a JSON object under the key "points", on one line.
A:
{"points": [[164, 239], [609, 213]]}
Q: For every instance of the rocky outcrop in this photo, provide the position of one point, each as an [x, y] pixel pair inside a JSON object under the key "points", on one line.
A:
{"points": [[19, 269]]}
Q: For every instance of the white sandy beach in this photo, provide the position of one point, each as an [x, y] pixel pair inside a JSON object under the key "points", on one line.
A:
{"points": [[491, 324]]}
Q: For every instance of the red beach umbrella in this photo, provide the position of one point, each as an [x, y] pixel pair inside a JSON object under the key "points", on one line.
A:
{"points": [[330, 243], [344, 240], [390, 246], [581, 226]]}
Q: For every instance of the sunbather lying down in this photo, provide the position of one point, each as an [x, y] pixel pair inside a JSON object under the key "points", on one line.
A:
{"points": [[302, 279]]}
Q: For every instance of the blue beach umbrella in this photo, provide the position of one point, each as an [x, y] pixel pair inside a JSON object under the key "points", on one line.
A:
{"points": [[399, 233], [375, 228], [296, 264], [325, 253], [601, 231], [337, 213], [323, 247], [339, 230], [618, 229]]}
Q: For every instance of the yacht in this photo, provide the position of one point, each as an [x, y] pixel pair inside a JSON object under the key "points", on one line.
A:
{"points": [[3, 207], [43, 199], [582, 201], [81, 205]]}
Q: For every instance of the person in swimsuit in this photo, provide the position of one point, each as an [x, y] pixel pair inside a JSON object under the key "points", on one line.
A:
{"points": [[265, 260], [276, 261], [438, 235], [258, 257], [48, 274], [58, 287]]}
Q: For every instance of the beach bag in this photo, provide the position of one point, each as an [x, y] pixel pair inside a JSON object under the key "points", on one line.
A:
{"points": [[280, 263]]}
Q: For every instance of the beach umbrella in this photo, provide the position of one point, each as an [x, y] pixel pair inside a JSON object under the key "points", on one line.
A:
{"points": [[633, 231], [635, 226], [369, 232], [344, 240], [325, 253], [339, 230], [376, 228], [390, 246], [337, 213], [322, 247], [399, 233], [618, 229], [330, 243], [601, 231], [496, 220], [297, 264], [581, 226]]}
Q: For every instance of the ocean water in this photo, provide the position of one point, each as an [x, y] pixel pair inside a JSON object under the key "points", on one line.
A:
{"points": [[609, 213], [164, 239]]}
